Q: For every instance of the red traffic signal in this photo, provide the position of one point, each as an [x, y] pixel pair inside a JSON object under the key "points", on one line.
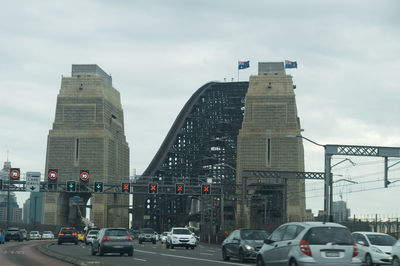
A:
{"points": [[52, 175], [84, 176], [126, 187], [153, 188], [179, 189], [205, 189], [15, 173]]}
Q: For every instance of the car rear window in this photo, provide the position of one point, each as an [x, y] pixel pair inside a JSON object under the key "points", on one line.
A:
{"points": [[67, 231], [116, 232], [329, 234], [93, 232], [181, 232], [147, 231], [381, 240]]}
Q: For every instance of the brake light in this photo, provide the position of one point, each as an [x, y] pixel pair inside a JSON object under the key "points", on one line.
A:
{"points": [[355, 250], [105, 238], [305, 248], [60, 234], [74, 234], [128, 238]]}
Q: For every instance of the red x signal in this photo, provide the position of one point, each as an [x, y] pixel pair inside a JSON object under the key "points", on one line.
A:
{"points": [[205, 189], [179, 189], [153, 188], [126, 187]]}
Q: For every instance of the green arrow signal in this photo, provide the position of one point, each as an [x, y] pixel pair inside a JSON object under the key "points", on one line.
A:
{"points": [[71, 186], [98, 185]]}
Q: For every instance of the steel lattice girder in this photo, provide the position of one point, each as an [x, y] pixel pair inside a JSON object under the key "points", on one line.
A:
{"points": [[283, 174], [362, 150]]}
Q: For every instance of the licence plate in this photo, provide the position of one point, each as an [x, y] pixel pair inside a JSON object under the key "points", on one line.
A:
{"points": [[118, 246], [332, 254]]}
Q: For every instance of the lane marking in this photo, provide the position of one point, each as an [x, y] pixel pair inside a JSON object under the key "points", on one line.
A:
{"points": [[208, 254], [143, 251], [139, 259], [211, 250], [207, 260]]}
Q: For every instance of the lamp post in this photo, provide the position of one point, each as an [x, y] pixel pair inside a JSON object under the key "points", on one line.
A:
{"points": [[328, 178]]}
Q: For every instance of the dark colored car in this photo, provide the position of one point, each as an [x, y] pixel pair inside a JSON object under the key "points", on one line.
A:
{"points": [[68, 235], [112, 240], [14, 234], [243, 244], [2, 236], [147, 235]]}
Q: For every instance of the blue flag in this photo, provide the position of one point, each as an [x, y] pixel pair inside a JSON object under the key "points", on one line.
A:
{"points": [[290, 64], [243, 64]]}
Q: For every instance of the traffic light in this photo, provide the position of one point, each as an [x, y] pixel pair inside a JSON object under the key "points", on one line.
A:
{"points": [[214, 214], [98, 186], [153, 188], [206, 217], [205, 189], [15, 173], [126, 187], [52, 175], [1, 184], [84, 176], [179, 189], [71, 186]]}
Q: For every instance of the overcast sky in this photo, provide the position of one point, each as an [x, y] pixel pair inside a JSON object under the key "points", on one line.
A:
{"points": [[160, 52]]}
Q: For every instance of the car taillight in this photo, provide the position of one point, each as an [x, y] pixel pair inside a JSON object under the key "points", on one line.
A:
{"points": [[105, 238], [74, 234], [89, 237], [60, 234], [128, 238], [355, 250], [305, 248]]}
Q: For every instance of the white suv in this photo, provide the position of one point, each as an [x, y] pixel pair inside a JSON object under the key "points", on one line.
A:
{"points": [[181, 237]]}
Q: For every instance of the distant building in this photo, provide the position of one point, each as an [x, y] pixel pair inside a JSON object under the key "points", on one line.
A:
{"points": [[35, 214], [26, 211], [340, 212], [16, 216], [309, 215], [5, 175]]}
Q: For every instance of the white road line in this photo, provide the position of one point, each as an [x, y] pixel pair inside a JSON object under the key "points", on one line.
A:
{"points": [[139, 259], [208, 254], [207, 260], [211, 250], [149, 252]]}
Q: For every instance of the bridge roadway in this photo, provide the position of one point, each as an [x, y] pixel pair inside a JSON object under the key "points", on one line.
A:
{"points": [[151, 254], [15, 253]]}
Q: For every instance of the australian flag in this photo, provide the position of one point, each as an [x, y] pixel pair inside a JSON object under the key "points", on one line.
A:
{"points": [[290, 64], [243, 64]]}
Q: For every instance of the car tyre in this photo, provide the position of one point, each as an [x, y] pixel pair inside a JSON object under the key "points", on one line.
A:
{"points": [[92, 251], [293, 262], [76, 243], [172, 246], [368, 260], [140, 241], [225, 256], [154, 241], [241, 256], [101, 252], [396, 261], [259, 261], [130, 253], [192, 247], [59, 243]]}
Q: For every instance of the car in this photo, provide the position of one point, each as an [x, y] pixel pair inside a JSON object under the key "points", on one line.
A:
{"points": [[374, 248], [14, 234], [181, 237], [396, 254], [134, 233], [243, 244], [147, 235], [24, 234], [34, 235], [90, 236], [112, 240], [67, 235], [309, 243], [47, 235], [163, 237], [2, 236]]}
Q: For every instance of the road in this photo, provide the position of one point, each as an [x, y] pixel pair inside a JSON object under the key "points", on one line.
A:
{"points": [[25, 254], [150, 254]]}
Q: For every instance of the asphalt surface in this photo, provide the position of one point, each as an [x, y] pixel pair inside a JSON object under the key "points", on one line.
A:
{"points": [[25, 253], [150, 254]]}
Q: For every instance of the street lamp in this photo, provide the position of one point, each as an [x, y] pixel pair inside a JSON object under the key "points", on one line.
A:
{"points": [[328, 178]]}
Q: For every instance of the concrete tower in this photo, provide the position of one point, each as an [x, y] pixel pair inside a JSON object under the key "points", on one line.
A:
{"points": [[270, 115], [87, 134]]}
